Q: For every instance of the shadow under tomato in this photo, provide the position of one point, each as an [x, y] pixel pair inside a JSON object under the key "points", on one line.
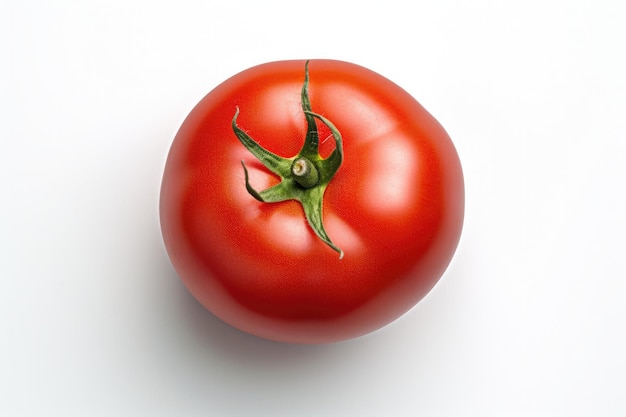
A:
{"points": [[230, 344]]}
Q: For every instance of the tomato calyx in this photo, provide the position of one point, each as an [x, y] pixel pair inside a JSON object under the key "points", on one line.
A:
{"points": [[304, 177]]}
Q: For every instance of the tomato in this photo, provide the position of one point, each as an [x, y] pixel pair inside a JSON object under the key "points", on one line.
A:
{"points": [[365, 236]]}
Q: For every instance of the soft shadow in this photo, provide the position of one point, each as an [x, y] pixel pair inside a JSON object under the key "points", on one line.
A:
{"points": [[230, 344], [188, 331]]}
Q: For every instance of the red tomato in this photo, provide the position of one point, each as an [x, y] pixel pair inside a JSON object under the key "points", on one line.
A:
{"points": [[393, 208]]}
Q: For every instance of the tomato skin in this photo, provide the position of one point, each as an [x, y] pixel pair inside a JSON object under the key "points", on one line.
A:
{"points": [[395, 206]]}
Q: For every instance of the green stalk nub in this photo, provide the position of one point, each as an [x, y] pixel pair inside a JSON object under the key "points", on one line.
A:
{"points": [[304, 177], [305, 173]]}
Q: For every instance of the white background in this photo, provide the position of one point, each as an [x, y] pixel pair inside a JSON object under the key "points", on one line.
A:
{"points": [[528, 320]]}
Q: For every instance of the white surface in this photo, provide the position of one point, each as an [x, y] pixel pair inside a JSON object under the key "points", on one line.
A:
{"points": [[528, 320]]}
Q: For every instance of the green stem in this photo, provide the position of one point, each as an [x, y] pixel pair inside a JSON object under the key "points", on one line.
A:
{"points": [[305, 177], [305, 173]]}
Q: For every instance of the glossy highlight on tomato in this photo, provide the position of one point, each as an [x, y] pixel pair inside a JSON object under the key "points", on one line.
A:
{"points": [[336, 256]]}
